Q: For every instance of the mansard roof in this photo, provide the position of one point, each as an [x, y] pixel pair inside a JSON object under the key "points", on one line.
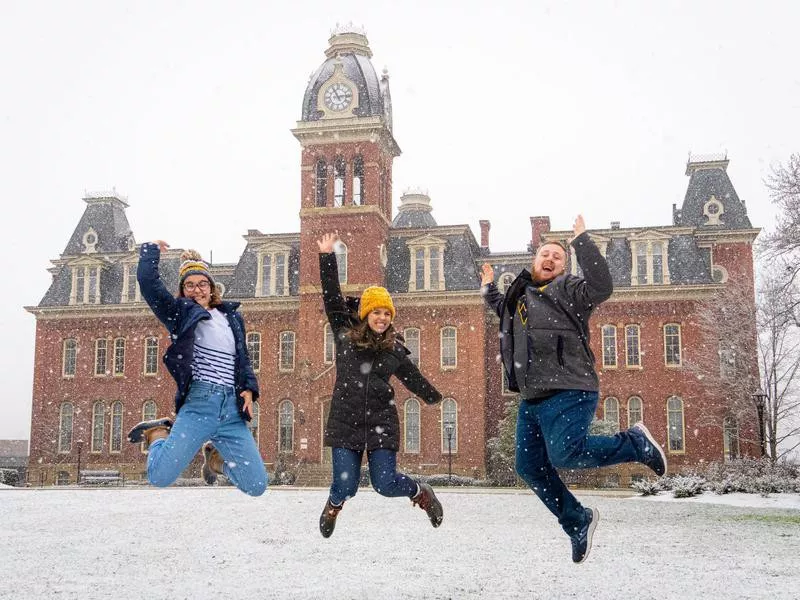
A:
{"points": [[709, 182], [104, 217]]}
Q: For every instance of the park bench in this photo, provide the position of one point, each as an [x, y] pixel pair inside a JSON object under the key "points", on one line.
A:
{"points": [[102, 478]]}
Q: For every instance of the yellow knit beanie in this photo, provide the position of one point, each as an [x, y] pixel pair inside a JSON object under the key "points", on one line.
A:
{"points": [[193, 264], [375, 297]]}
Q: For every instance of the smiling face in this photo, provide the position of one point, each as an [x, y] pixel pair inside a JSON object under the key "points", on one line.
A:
{"points": [[198, 288], [549, 263], [379, 319]]}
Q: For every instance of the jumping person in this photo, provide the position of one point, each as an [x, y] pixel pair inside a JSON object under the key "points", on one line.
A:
{"points": [[363, 415], [216, 385], [544, 345]]}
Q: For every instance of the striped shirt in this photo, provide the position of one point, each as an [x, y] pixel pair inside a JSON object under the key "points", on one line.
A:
{"points": [[214, 350]]}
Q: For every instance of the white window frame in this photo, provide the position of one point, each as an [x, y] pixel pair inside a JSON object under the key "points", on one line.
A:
{"points": [[611, 411], [281, 360], [638, 336], [65, 429], [253, 343], [505, 280], [147, 350], [98, 427], [412, 422], [413, 338], [287, 416], [116, 427], [129, 280], [425, 244], [645, 243], [118, 366], [273, 251], [81, 278], [341, 251], [74, 352], [442, 347], [671, 412], [604, 331], [447, 402], [97, 352], [148, 415], [667, 363], [329, 345], [631, 420]]}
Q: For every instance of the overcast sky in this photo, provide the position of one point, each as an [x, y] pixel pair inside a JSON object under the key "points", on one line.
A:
{"points": [[522, 108]]}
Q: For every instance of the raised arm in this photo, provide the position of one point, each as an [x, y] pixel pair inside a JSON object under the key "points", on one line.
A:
{"points": [[491, 295], [163, 304], [335, 307], [596, 285], [416, 383]]}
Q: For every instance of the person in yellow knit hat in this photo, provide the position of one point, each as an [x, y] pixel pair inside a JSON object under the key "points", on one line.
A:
{"points": [[363, 415]]}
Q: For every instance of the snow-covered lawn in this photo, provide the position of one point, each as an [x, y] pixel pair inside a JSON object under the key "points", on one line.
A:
{"points": [[199, 543]]}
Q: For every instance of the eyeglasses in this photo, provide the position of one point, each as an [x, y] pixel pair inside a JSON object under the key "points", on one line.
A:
{"points": [[190, 286]]}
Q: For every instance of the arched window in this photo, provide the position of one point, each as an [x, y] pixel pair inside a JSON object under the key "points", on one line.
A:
{"points": [[340, 248], [730, 438], [675, 424], [330, 345], [149, 412], [449, 347], [321, 183], [65, 427], [635, 410], [449, 426], [412, 425], [633, 357], [254, 421], [115, 443], [98, 425], [505, 280], [609, 346], [286, 351], [254, 350], [338, 182], [151, 356], [119, 356], [358, 181], [611, 412], [286, 426], [411, 335]]}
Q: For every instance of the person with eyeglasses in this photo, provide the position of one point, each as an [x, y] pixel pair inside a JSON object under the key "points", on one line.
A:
{"points": [[216, 386]]}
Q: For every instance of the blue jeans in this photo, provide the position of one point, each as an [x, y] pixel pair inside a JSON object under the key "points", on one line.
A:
{"points": [[209, 413], [382, 472], [554, 434]]}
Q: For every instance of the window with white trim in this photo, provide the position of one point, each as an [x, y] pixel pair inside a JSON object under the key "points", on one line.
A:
{"points": [[286, 351], [611, 412], [115, 443], [449, 347], [675, 425], [149, 413], [340, 248], [633, 355], [427, 265], [273, 274], [69, 360], [449, 426], [65, 416], [286, 426], [505, 280], [130, 286], [101, 357], [358, 181], [254, 350], [412, 342], [119, 356], [338, 181], [411, 421], [85, 285], [98, 426], [151, 356], [649, 262], [330, 345], [609, 346], [672, 345], [635, 410], [320, 182]]}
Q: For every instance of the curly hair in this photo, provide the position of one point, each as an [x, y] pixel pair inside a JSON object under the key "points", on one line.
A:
{"points": [[362, 336]]}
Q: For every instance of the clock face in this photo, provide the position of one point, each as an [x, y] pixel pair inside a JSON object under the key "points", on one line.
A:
{"points": [[338, 96]]}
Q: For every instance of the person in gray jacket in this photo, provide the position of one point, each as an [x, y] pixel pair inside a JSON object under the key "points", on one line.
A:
{"points": [[544, 346]]}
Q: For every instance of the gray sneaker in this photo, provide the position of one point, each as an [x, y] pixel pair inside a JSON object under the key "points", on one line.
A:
{"points": [[582, 541], [652, 455]]}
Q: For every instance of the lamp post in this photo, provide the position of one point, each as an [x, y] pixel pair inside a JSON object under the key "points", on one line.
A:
{"points": [[448, 427], [78, 476], [759, 397]]}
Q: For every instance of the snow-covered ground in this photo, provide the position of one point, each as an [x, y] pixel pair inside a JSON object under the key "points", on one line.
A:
{"points": [[199, 543]]}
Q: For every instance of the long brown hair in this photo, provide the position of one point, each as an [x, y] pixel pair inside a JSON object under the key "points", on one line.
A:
{"points": [[363, 337]]}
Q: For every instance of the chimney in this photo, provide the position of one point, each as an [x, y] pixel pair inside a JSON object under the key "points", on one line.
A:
{"points": [[485, 226], [539, 226]]}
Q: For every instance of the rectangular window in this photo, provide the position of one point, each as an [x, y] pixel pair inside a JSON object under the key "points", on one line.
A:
{"points": [[130, 287], [330, 345], [151, 356], [98, 426], [449, 344], [609, 346], [675, 424], [641, 264], [266, 275], [254, 350], [119, 356], [280, 274], [411, 336], [672, 345], [286, 358], [419, 268], [94, 275], [101, 357], [70, 357], [633, 357], [658, 263], [434, 268]]}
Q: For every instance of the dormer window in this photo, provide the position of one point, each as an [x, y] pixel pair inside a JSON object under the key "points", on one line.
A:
{"points": [[649, 261], [130, 286], [85, 285], [427, 264], [273, 272]]}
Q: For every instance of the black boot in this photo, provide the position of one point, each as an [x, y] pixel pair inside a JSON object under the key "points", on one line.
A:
{"points": [[428, 502], [327, 520], [139, 431]]}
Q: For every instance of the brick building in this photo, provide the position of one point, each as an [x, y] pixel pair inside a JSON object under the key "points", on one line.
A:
{"points": [[98, 347]]}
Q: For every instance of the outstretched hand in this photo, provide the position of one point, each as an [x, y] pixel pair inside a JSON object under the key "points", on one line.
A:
{"points": [[327, 242], [487, 274], [578, 227], [162, 245]]}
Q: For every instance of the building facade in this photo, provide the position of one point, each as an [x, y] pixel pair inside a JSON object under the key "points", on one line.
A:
{"points": [[98, 350]]}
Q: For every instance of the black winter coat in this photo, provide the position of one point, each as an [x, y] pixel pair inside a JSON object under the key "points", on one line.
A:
{"points": [[363, 413], [559, 356]]}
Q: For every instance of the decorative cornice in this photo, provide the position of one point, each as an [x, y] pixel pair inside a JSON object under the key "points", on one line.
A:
{"points": [[343, 211], [337, 131], [90, 311], [649, 293]]}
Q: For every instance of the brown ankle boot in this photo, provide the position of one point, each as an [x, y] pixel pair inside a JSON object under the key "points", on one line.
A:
{"points": [[155, 433], [327, 520], [428, 502], [212, 463]]}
